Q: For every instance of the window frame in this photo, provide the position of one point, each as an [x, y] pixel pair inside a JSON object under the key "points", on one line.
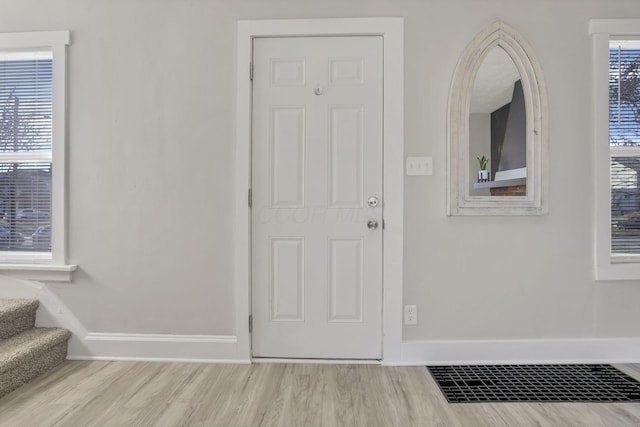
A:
{"points": [[34, 265], [607, 265]]}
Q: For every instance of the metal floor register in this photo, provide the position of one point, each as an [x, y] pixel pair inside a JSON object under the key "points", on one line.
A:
{"points": [[535, 383]]}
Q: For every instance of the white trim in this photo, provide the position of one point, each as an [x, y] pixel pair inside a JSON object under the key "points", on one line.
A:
{"points": [[59, 221], [317, 361], [101, 336], [155, 347], [614, 27], [601, 31], [34, 39], [594, 350], [221, 349], [160, 359], [39, 272], [392, 31]]}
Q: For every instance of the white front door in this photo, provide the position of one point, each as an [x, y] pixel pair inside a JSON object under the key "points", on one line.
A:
{"points": [[316, 176]]}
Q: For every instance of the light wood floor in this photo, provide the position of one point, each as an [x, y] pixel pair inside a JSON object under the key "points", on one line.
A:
{"points": [[182, 394]]}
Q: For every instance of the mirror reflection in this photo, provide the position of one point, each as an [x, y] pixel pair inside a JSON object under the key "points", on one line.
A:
{"points": [[497, 129]]}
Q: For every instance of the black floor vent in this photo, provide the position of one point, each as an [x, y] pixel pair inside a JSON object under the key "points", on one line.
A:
{"points": [[535, 383]]}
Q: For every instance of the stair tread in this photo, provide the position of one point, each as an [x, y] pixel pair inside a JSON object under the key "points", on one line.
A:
{"points": [[28, 344], [10, 307]]}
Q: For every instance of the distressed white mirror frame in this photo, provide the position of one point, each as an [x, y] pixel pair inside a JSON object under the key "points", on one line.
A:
{"points": [[460, 202]]}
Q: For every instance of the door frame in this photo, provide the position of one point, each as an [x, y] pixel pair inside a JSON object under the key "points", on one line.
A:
{"points": [[392, 32]]}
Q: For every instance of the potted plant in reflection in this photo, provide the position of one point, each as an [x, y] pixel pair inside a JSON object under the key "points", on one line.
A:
{"points": [[483, 173]]}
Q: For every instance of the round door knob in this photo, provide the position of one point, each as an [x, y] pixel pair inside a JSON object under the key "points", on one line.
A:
{"points": [[372, 224], [373, 201]]}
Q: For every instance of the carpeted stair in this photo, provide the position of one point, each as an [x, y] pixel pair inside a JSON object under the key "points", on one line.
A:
{"points": [[26, 351]]}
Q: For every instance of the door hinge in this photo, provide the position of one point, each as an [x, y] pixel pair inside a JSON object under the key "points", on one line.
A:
{"points": [[250, 323], [250, 198], [251, 71], [383, 224]]}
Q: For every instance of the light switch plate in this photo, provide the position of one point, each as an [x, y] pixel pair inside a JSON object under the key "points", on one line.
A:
{"points": [[419, 166]]}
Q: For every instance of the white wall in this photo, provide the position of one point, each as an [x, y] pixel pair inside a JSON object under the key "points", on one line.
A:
{"points": [[151, 156]]}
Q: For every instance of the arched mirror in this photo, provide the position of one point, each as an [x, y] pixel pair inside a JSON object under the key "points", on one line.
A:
{"points": [[497, 128]]}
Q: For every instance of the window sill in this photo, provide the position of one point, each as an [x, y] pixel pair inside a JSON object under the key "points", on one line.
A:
{"points": [[618, 271], [40, 272]]}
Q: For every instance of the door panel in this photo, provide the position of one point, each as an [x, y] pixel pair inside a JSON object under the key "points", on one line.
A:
{"points": [[316, 159], [287, 280], [345, 280], [286, 154], [346, 157]]}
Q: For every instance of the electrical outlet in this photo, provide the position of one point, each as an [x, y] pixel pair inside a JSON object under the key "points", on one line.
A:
{"points": [[410, 315]]}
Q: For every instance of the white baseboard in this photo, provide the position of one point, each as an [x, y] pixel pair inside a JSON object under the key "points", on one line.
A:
{"points": [[155, 347], [316, 361], [223, 349], [611, 350]]}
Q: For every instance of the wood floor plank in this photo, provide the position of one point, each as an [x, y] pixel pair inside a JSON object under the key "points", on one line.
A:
{"points": [[45, 384], [105, 401], [425, 404], [282, 395]]}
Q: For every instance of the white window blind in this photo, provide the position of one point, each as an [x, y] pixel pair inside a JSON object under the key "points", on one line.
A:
{"points": [[25, 150]]}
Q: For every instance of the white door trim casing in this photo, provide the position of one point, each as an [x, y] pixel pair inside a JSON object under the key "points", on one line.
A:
{"points": [[392, 31]]}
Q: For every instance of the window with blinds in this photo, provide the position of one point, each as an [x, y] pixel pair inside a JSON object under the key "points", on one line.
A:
{"points": [[25, 150]]}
